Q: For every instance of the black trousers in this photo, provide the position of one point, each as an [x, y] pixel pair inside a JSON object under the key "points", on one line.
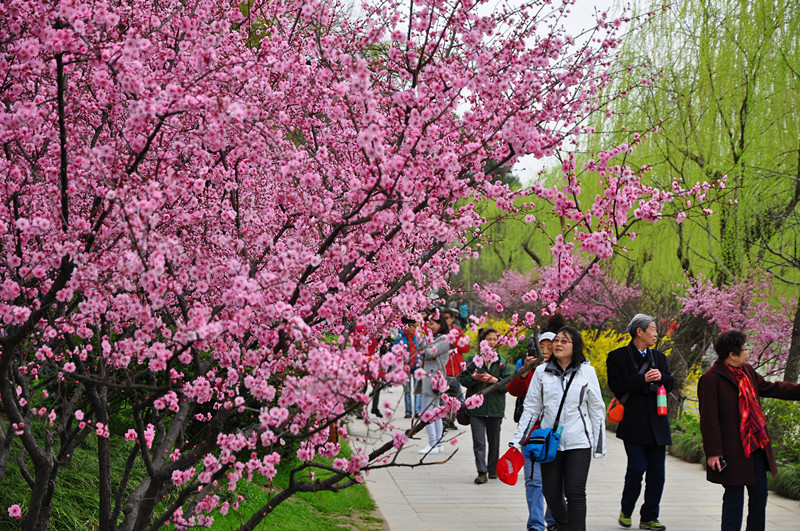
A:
{"points": [[733, 499], [567, 474]]}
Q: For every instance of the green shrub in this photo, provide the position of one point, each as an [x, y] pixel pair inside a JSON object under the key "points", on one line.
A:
{"points": [[783, 422], [687, 442], [787, 482]]}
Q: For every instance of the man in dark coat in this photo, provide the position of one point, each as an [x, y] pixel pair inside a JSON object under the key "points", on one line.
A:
{"points": [[735, 437], [634, 374]]}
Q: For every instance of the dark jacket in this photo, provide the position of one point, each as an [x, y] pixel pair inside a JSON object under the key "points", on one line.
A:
{"points": [[494, 403], [641, 423], [718, 393]]}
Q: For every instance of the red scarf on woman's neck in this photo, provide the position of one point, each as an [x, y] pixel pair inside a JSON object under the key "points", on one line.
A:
{"points": [[753, 425]]}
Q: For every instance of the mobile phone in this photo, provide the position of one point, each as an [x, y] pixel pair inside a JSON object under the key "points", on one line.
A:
{"points": [[722, 464]]}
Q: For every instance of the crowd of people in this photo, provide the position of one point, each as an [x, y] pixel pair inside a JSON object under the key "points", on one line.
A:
{"points": [[557, 387]]}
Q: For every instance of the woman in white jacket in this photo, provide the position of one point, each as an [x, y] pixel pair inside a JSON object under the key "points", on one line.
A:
{"points": [[582, 426]]}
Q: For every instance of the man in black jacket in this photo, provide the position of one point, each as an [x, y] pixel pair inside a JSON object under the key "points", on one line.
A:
{"points": [[634, 374]]}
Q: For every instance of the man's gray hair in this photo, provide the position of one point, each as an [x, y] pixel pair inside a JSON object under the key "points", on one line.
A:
{"points": [[639, 320]]}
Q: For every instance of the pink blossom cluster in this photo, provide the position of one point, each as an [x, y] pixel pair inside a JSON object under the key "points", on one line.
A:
{"points": [[753, 305], [581, 290]]}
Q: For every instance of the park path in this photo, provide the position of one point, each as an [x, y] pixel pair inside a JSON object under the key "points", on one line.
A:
{"points": [[443, 497]]}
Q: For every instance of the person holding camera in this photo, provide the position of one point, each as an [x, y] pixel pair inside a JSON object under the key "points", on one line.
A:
{"points": [[734, 428], [486, 419]]}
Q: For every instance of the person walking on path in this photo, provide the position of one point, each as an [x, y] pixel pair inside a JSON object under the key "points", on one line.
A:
{"points": [[434, 354], [407, 336], [485, 420], [734, 429], [582, 426], [635, 373], [538, 518], [455, 363]]}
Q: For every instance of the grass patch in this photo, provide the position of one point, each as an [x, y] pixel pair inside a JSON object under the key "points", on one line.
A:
{"points": [[75, 504], [351, 508], [76, 495]]}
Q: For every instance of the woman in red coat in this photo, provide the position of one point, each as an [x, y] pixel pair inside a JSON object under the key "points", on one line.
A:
{"points": [[735, 437]]}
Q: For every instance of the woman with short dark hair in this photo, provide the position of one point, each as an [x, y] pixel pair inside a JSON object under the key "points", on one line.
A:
{"points": [[485, 420], [734, 429]]}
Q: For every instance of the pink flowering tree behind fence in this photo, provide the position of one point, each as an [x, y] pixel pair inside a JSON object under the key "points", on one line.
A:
{"points": [[200, 206]]}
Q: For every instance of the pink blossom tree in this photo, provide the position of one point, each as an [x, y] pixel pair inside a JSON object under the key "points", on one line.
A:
{"points": [[509, 289], [592, 301], [752, 305], [201, 204]]}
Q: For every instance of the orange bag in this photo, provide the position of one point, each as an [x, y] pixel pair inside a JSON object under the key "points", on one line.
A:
{"points": [[615, 411]]}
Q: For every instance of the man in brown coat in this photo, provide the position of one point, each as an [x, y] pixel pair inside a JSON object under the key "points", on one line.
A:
{"points": [[735, 437]]}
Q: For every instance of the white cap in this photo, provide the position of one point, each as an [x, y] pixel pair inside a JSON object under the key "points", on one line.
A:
{"points": [[546, 336]]}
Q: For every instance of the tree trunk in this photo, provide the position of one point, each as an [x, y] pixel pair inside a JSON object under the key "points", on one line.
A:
{"points": [[793, 361], [689, 346], [41, 505]]}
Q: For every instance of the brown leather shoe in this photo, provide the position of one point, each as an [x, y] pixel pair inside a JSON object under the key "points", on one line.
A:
{"points": [[481, 479]]}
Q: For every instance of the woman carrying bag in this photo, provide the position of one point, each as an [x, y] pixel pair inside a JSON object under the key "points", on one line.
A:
{"points": [[486, 419], [566, 387]]}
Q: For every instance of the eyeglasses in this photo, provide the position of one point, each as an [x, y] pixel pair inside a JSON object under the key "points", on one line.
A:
{"points": [[558, 340]]}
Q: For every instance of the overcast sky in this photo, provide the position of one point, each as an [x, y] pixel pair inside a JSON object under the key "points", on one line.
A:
{"points": [[580, 18]]}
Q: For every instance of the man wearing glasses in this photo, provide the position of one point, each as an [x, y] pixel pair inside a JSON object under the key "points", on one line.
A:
{"points": [[635, 372]]}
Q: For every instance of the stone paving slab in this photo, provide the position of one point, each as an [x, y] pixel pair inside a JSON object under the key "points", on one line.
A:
{"points": [[442, 497]]}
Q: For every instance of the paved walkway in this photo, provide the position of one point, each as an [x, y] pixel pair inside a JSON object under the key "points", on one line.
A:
{"points": [[443, 497]]}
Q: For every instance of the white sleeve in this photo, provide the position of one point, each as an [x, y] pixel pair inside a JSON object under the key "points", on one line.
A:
{"points": [[532, 406], [597, 413]]}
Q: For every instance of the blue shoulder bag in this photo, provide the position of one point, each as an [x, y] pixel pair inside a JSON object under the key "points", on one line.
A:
{"points": [[542, 443]]}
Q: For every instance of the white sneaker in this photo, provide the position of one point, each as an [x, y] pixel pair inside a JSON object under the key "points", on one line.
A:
{"points": [[440, 449], [430, 450]]}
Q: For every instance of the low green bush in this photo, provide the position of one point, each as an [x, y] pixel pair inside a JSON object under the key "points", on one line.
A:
{"points": [[783, 423], [787, 482], [687, 441]]}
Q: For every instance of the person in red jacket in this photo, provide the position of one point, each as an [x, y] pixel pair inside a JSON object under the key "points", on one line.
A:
{"points": [[456, 360], [460, 347], [734, 429]]}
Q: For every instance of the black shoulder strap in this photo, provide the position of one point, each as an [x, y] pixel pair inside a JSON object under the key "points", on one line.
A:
{"points": [[643, 369], [560, 407], [564, 397]]}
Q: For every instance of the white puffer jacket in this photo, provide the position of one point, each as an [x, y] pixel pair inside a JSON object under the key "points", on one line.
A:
{"points": [[583, 416]]}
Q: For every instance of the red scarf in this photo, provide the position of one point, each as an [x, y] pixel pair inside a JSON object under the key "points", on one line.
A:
{"points": [[753, 426]]}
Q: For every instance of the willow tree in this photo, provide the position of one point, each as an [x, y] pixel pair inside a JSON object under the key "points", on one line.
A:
{"points": [[720, 99]]}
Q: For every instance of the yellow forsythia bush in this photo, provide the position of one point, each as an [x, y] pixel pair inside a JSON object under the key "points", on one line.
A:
{"points": [[598, 343], [502, 326]]}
